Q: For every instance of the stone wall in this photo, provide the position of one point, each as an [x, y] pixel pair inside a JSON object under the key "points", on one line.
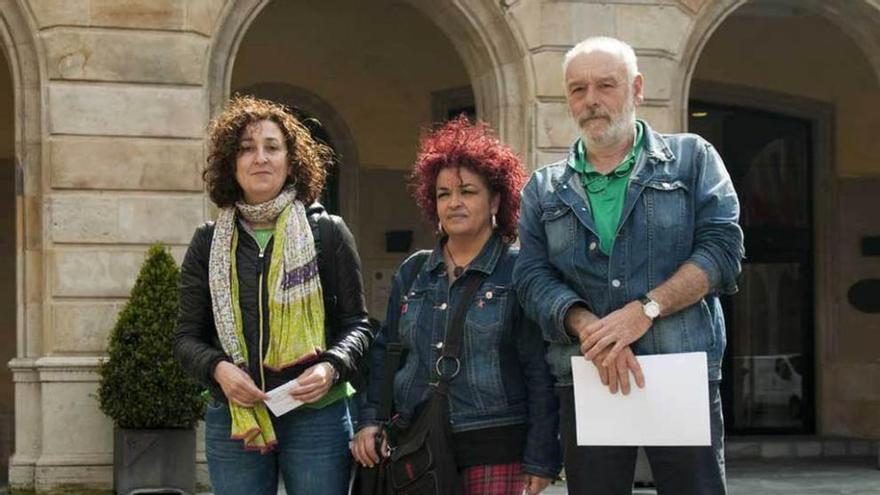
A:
{"points": [[112, 145], [126, 111], [549, 29]]}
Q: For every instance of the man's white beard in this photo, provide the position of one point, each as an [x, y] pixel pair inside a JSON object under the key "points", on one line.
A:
{"points": [[618, 128]]}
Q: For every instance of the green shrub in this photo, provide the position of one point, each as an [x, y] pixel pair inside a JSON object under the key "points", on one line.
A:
{"points": [[142, 384]]}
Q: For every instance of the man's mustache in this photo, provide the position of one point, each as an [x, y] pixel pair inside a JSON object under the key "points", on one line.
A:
{"points": [[590, 115]]}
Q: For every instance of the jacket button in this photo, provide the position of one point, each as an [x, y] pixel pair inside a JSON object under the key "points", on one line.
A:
{"points": [[443, 307], [615, 283], [439, 345], [593, 246]]}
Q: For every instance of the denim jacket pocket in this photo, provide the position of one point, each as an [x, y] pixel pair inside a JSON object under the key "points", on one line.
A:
{"points": [[410, 310], [559, 226], [665, 203], [485, 323]]}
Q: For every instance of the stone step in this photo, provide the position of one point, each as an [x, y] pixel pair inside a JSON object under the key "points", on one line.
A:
{"points": [[745, 447]]}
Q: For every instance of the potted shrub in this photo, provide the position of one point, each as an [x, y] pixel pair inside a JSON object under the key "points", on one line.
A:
{"points": [[154, 405]]}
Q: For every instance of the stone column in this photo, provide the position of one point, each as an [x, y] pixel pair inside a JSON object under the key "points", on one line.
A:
{"points": [[125, 117]]}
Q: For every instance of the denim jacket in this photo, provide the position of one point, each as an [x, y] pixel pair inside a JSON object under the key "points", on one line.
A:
{"points": [[680, 207], [504, 378]]}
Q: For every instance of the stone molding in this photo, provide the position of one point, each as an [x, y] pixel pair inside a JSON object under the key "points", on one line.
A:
{"points": [[24, 370], [76, 369]]}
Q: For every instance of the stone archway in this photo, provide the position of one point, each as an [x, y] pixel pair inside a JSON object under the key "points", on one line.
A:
{"points": [[850, 28], [17, 43], [491, 51], [860, 19]]}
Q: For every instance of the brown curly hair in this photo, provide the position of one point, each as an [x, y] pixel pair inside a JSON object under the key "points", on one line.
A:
{"points": [[307, 159], [458, 143]]}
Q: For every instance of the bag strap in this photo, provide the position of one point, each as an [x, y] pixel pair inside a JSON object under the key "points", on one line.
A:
{"points": [[455, 330], [394, 349]]}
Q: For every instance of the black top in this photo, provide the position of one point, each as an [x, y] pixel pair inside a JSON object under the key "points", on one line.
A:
{"points": [[347, 331], [501, 445]]}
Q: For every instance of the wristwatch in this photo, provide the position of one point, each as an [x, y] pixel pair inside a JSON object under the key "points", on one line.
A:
{"points": [[650, 307]]}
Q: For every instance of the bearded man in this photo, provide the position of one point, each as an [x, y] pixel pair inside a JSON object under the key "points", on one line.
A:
{"points": [[626, 247]]}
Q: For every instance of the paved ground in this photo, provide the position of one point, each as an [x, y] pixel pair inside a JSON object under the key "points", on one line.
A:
{"points": [[846, 476], [841, 476]]}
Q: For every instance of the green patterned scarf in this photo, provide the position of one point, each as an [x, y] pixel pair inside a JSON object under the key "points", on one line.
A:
{"points": [[296, 303]]}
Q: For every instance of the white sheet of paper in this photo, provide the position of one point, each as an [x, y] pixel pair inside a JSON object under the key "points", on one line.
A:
{"points": [[280, 401], [672, 409]]}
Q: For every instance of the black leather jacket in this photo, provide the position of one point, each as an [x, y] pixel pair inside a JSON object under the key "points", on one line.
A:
{"points": [[347, 330]]}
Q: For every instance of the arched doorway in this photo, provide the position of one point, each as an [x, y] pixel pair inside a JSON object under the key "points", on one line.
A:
{"points": [[21, 124], [375, 74], [792, 119], [359, 70], [7, 266]]}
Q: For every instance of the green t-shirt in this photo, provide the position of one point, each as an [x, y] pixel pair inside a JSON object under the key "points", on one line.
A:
{"points": [[336, 392], [606, 193], [262, 237]]}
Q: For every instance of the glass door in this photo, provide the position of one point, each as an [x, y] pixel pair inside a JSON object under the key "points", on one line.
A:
{"points": [[767, 382]]}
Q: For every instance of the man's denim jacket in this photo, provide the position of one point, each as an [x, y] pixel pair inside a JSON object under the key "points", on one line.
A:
{"points": [[504, 378], [680, 207]]}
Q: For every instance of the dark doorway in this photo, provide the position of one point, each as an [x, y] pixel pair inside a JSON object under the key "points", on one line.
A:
{"points": [[8, 261], [768, 367], [330, 196]]}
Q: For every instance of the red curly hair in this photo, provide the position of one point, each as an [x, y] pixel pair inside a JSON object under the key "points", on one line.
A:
{"points": [[458, 143]]}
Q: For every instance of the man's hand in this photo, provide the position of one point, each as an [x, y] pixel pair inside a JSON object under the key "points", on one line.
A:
{"points": [[577, 319], [616, 375], [313, 383], [615, 332], [237, 385]]}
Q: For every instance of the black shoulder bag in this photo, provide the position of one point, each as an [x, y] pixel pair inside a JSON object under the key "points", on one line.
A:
{"points": [[422, 458]]}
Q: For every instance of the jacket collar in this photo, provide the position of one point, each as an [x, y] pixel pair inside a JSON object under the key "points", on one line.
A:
{"points": [[484, 262], [655, 145]]}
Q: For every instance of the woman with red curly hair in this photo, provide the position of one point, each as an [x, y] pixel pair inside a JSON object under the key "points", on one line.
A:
{"points": [[502, 406]]}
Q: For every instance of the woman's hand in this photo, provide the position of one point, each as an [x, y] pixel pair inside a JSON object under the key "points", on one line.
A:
{"points": [[535, 484], [363, 447], [314, 382], [237, 385]]}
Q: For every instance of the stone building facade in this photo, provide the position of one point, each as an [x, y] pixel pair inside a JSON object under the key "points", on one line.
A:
{"points": [[104, 106]]}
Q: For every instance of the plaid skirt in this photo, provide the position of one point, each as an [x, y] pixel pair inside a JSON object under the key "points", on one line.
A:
{"points": [[495, 479]]}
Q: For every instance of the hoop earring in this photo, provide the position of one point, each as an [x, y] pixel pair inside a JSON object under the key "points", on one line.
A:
{"points": [[440, 228], [494, 223]]}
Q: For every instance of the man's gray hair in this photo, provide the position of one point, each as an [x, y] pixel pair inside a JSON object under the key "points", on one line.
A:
{"points": [[605, 44]]}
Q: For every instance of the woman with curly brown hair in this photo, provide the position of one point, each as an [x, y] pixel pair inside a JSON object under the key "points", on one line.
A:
{"points": [[272, 293], [503, 410]]}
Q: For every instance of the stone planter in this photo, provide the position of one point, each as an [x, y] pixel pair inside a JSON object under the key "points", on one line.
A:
{"points": [[154, 461]]}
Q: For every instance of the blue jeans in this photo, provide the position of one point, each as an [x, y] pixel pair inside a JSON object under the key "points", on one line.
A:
{"points": [[676, 470], [312, 453]]}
